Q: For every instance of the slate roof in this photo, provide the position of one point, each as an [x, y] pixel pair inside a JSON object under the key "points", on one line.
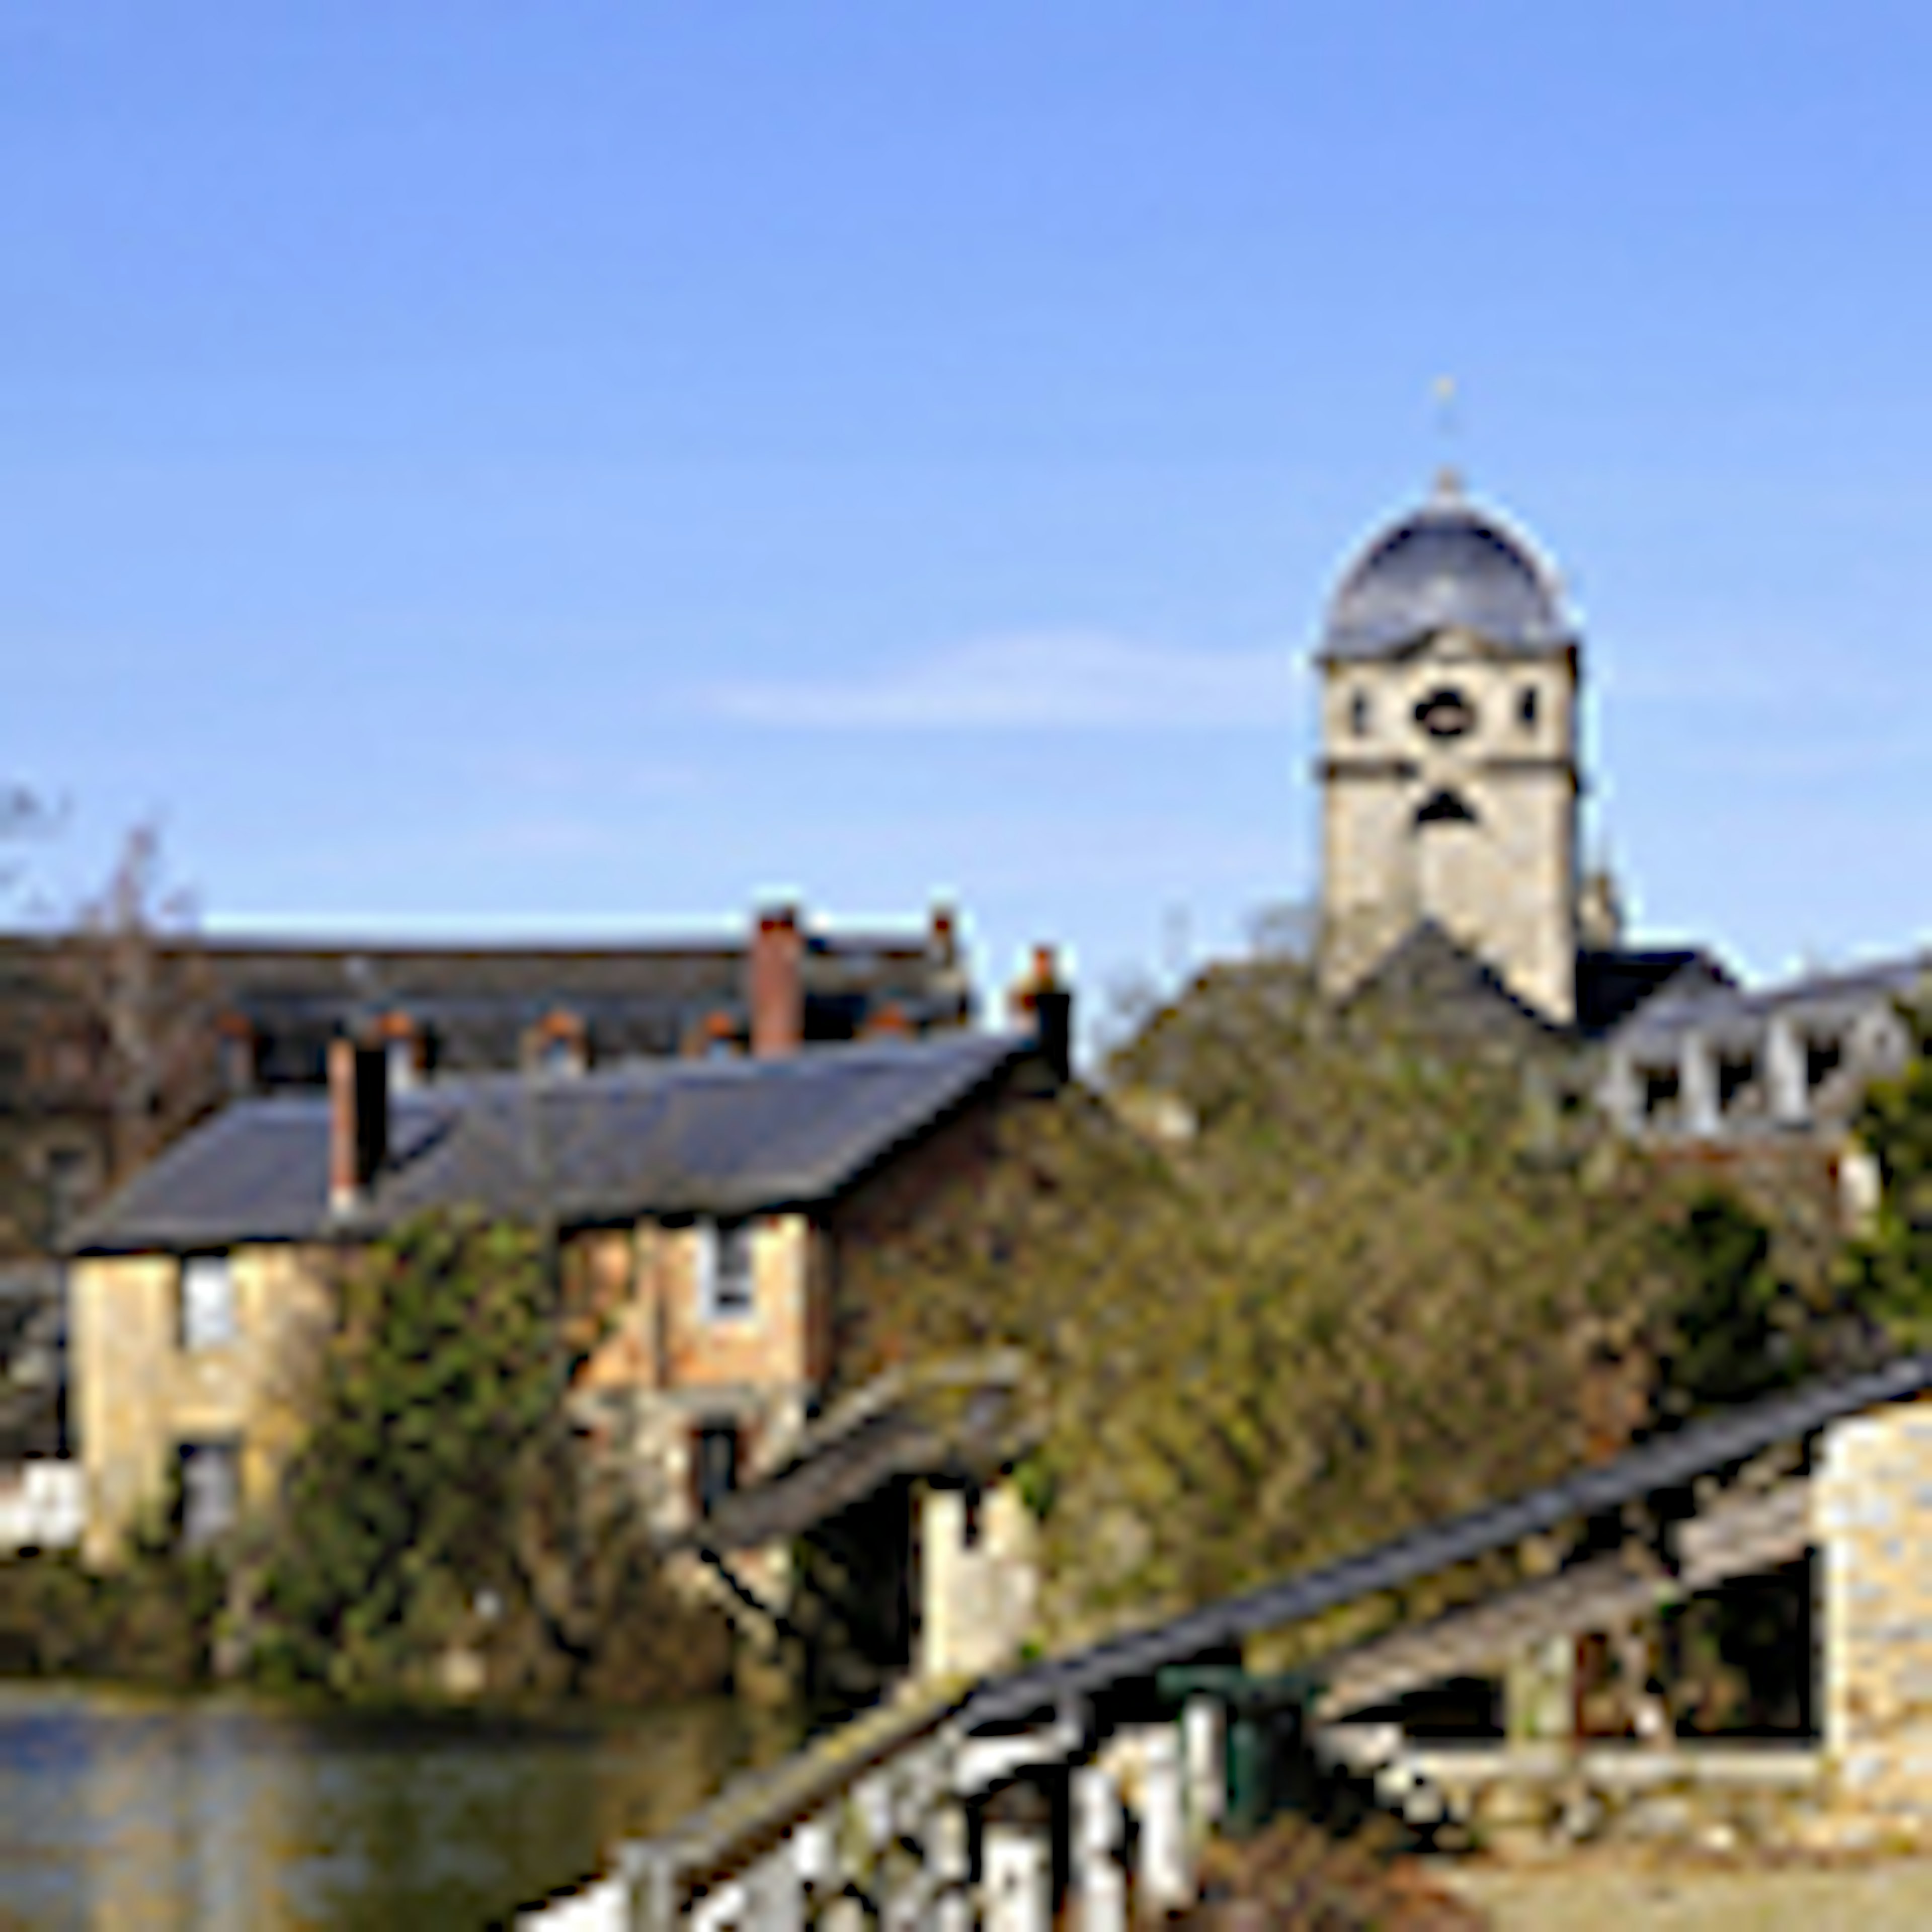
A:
{"points": [[1612, 985], [885, 1429], [725, 1137], [1430, 973], [474, 1005], [1725, 1012], [1445, 565]]}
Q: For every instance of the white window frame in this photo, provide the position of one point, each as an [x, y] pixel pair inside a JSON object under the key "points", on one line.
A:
{"points": [[208, 1318], [728, 1276]]}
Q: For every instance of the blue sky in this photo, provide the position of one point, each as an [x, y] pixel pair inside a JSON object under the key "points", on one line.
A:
{"points": [[498, 469]]}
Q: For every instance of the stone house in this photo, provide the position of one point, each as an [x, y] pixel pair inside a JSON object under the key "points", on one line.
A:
{"points": [[706, 1205]]}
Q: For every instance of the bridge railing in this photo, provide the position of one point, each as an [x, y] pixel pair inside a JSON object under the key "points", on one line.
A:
{"points": [[904, 1818]]}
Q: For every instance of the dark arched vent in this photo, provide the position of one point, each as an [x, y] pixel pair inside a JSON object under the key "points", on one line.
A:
{"points": [[1445, 807]]}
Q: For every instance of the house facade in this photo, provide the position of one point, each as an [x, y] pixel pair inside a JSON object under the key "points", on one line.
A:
{"points": [[701, 1205]]}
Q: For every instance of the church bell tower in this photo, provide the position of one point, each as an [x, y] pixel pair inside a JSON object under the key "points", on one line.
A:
{"points": [[1449, 770]]}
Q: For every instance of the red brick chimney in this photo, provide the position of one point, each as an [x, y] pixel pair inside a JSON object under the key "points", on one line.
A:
{"points": [[359, 1120], [776, 988]]}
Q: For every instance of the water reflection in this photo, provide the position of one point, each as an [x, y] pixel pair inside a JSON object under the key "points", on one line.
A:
{"points": [[125, 1813]]}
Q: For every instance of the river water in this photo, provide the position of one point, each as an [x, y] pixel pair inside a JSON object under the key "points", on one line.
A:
{"points": [[123, 1812]]}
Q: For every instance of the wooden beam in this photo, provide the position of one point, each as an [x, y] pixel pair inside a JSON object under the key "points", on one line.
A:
{"points": [[1734, 1536], [1757, 1530], [1594, 1595]]}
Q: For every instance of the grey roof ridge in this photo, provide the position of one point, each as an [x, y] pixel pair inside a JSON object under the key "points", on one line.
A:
{"points": [[642, 1071], [1666, 1010], [1667, 1461]]}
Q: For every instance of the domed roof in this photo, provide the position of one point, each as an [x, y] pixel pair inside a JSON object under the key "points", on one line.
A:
{"points": [[1446, 566]]}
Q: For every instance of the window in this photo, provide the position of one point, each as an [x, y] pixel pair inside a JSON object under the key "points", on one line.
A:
{"points": [[211, 1490], [727, 1286], [1525, 707], [1358, 714], [714, 1461], [207, 1301]]}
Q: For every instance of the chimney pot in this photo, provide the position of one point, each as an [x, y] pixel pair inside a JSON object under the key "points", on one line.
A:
{"points": [[776, 990], [1042, 1006], [943, 940]]}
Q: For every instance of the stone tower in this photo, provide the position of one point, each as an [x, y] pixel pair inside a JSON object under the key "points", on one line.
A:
{"points": [[1448, 769]]}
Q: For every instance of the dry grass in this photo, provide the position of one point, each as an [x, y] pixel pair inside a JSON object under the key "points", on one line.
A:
{"points": [[1615, 1892]]}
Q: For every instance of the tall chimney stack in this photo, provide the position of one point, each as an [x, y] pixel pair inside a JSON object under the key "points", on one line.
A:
{"points": [[1042, 1006], [359, 1120], [777, 983]]}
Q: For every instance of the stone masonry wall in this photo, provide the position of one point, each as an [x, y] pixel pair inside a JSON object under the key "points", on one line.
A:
{"points": [[1873, 1514]]}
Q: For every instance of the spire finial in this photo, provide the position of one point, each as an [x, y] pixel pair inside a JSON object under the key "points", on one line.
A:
{"points": [[1448, 477]]}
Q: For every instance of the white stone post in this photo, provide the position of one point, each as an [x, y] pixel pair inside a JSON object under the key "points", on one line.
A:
{"points": [[942, 1576], [775, 1894], [724, 1908], [1019, 1878], [949, 1864], [1205, 1752], [1697, 1087], [1100, 1883], [1539, 1692], [1784, 1073], [1163, 1847]]}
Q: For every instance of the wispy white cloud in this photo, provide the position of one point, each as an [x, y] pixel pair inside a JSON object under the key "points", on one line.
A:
{"points": [[1054, 680]]}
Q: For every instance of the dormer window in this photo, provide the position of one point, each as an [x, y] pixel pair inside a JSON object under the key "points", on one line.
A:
{"points": [[558, 1045], [726, 1283], [1445, 713]]}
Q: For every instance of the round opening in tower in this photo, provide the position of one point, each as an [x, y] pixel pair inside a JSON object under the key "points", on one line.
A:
{"points": [[1446, 713]]}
